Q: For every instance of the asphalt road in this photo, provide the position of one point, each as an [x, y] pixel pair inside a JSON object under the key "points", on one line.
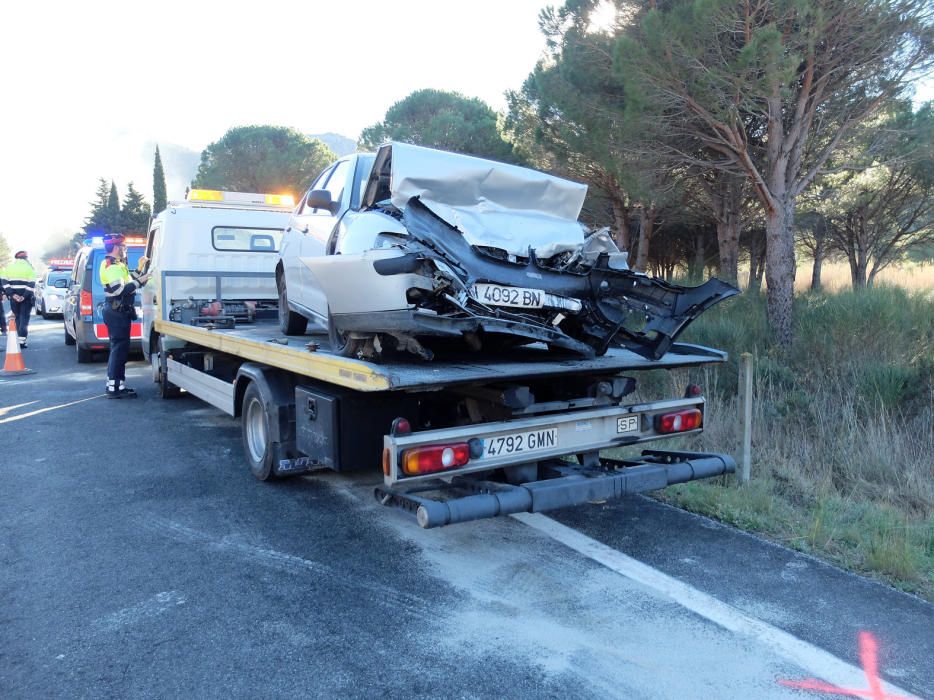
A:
{"points": [[139, 558]]}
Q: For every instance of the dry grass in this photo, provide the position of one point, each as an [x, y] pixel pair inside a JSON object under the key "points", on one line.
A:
{"points": [[843, 429], [835, 277]]}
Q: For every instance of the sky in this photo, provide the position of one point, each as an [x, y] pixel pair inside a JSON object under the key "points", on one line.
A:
{"points": [[88, 89]]}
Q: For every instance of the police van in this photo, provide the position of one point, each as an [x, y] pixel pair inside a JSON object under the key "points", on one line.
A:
{"points": [[82, 309]]}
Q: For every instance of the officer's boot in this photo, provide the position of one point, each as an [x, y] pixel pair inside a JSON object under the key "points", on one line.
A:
{"points": [[125, 391], [113, 389]]}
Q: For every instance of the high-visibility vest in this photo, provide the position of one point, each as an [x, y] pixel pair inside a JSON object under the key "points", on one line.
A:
{"points": [[18, 277], [116, 279]]}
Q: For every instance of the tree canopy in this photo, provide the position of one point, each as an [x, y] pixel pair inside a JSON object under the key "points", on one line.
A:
{"points": [[159, 196], [273, 159], [5, 254], [439, 119]]}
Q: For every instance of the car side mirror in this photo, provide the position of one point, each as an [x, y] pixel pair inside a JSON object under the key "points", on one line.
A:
{"points": [[320, 199]]}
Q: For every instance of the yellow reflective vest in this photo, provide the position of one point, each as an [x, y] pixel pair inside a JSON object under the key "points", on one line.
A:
{"points": [[116, 279], [19, 277]]}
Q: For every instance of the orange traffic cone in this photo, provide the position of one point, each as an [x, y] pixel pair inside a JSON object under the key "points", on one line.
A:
{"points": [[14, 364]]}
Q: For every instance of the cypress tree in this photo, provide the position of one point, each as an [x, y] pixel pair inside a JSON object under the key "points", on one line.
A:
{"points": [[159, 198]]}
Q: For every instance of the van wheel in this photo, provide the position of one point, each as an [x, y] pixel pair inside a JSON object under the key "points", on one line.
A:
{"points": [[166, 389], [341, 343], [68, 339], [290, 322], [84, 355], [255, 428]]}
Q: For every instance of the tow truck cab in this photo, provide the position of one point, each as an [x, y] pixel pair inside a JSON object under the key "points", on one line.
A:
{"points": [[232, 234]]}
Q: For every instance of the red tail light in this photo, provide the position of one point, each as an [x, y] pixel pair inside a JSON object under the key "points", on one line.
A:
{"points": [[679, 421], [435, 458], [86, 303]]}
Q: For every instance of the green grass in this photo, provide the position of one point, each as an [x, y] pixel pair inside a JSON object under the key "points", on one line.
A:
{"points": [[843, 429]]}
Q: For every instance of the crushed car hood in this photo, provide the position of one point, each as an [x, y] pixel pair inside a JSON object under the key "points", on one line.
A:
{"points": [[492, 204]]}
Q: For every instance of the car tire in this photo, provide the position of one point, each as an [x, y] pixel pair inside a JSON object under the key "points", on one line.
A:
{"points": [[342, 344], [84, 355], [166, 389], [254, 424], [290, 322], [68, 339]]}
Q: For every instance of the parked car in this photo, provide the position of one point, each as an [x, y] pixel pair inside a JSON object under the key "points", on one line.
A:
{"points": [[83, 304], [415, 248], [51, 291]]}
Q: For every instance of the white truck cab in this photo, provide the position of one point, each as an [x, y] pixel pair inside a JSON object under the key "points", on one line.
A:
{"points": [[191, 242]]}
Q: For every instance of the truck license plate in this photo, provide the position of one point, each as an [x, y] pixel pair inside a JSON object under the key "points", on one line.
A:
{"points": [[500, 295], [531, 441], [627, 424]]}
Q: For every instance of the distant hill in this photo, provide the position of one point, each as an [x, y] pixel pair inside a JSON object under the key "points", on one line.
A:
{"points": [[341, 145]]}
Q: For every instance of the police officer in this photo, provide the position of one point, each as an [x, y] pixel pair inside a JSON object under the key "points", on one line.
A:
{"points": [[19, 284], [120, 286]]}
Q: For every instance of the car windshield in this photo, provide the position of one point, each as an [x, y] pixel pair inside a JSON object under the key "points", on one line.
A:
{"points": [[59, 280]]}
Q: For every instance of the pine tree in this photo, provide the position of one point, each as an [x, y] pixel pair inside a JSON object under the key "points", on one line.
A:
{"points": [[159, 197], [96, 223], [5, 254], [135, 213]]}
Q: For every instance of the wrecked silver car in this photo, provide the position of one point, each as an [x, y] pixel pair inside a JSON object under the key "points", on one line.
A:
{"points": [[435, 250]]}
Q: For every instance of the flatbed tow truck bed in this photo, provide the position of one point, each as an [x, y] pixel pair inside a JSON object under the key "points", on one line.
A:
{"points": [[309, 355], [462, 437]]}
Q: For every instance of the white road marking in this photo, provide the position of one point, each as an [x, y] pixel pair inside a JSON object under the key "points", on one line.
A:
{"points": [[7, 409], [45, 410], [157, 605], [822, 664]]}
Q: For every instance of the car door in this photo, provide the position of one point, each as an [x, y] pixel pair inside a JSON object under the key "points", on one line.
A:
{"points": [[320, 223], [290, 250]]}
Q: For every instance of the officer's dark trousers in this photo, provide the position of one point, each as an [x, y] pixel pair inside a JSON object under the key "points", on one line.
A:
{"points": [[21, 311], [2, 316], [118, 328]]}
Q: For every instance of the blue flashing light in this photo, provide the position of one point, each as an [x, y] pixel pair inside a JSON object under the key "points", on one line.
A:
{"points": [[95, 242]]}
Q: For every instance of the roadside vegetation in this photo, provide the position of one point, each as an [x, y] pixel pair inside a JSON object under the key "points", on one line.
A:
{"points": [[843, 429]]}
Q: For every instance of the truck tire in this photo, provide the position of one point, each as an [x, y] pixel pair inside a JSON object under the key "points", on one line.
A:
{"points": [[84, 355], [68, 339], [290, 322], [342, 344], [166, 389], [259, 452]]}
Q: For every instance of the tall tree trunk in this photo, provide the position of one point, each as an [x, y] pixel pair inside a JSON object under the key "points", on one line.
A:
{"points": [[646, 229], [729, 223], [621, 224], [820, 237], [696, 269], [780, 268], [728, 244]]}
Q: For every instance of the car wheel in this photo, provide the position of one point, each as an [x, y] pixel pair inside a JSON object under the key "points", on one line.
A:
{"points": [[255, 428], [290, 322], [84, 355], [341, 343], [166, 389], [68, 339]]}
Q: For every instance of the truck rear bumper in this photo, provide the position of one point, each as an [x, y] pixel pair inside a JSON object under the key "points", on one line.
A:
{"points": [[570, 485]]}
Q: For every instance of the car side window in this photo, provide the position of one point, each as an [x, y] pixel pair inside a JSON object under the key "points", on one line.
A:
{"points": [[318, 184], [79, 265], [338, 180]]}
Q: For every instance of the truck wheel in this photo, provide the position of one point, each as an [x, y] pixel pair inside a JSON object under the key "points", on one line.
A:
{"points": [[255, 428], [166, 389], [84, 355], [341, 343], [290, 322], [68, 339]]}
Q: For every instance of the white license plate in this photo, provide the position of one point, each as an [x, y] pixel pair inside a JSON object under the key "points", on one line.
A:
{"points": [[530, 441], [501, 295], [627, 424]]}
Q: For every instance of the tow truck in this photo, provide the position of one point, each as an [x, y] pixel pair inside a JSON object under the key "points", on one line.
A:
{"points": [[463, 437]]}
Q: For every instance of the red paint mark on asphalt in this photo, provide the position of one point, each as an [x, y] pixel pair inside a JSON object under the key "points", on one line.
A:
{"points": [[869, 658]]}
